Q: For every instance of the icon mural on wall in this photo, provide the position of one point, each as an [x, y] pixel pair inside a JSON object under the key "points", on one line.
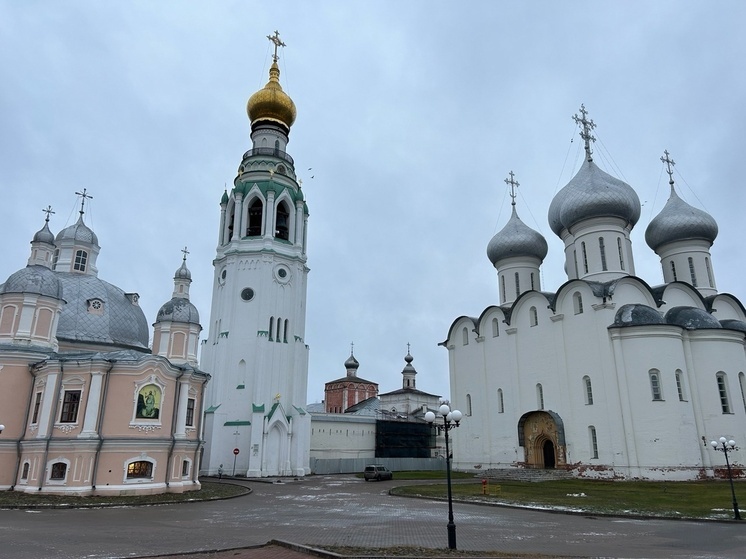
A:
{"points": [[148, 402]]}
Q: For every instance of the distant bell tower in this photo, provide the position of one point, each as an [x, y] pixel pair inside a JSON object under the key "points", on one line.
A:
{"points": [[255, 351]]}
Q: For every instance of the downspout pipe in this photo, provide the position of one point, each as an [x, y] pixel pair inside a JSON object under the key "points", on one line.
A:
{"points": [[48, 440], [100, 422], [174, 416]]}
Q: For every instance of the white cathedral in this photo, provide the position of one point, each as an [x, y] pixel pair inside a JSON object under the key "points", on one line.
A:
{"points": [[255, 418], [608, 376]]}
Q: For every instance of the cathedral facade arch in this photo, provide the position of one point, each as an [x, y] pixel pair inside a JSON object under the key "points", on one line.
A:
{"points": [[542, 436]]}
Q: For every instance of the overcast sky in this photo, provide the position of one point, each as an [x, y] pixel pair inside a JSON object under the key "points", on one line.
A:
{"points": [[410, 116]]}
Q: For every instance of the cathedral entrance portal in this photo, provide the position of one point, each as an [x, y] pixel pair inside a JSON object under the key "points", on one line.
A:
{"points": [[542, 436]]}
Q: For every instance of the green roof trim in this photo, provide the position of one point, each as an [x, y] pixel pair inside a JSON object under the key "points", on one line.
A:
{"points": [[272, 411], [237, 422], [212, 409], [257, 409], [300, 410], [264, 186], [240, 387]]}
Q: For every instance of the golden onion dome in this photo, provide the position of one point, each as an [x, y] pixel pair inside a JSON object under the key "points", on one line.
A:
{"points": [[271, 102]]}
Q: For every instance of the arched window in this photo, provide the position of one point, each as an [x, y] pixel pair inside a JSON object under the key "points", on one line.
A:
{"points": [[468, 404], [602, 250], [59, 471], [655, 384], [465, 334], [709, 272], [277, 147], [278, 339], [691, 271], [502, 286], [577, 302], [500, 401], [185, 468], [575, 259], [585, 257], [285, 332], [517, 285], [81, 259], [495, 328], [593, 441], [282, 223], [533, 316], [680, 385], [532, 281], [621, 253], [673, 270], [588, 390], [540, 396], [722, 381], [231, 220], [140, 469], [742, 384], [24, 472], [254, 228], [271, 327]]}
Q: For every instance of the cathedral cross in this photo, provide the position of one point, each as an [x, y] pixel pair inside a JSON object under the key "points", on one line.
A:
{"points": [[185, 251], [83, 196], [513, 185], [669, 166], [588, 125], [352, 348], [48, 210], [277, 42]]}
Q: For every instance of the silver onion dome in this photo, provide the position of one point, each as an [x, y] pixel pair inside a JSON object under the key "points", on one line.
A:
{"points": [[79, 231], [351, 363], [101, 313], [516, 239], [34, 279], [183, 272], [44, 235], [679, 221], [178, 309], [593, 193]]}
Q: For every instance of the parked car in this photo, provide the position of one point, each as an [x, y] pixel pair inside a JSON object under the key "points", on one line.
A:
{"points": [[377, 472]]}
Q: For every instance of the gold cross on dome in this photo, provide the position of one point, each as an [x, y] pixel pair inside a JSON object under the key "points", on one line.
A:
{"points": [[277, 42], [513, 185], [669, 166], [585, 133]]}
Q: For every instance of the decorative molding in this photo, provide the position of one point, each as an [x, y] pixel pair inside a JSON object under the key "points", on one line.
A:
{"points": [[145, 428], [66, 428], [557, 317]]}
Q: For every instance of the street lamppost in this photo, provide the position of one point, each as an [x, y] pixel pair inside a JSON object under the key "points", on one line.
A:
{"points": [[451, 419], [725, 446]]}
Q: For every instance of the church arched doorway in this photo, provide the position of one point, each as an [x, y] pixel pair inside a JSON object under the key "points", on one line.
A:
{"points": [[542, 436]]}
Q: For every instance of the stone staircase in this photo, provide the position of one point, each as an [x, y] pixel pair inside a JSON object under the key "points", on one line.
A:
{"points": [[524, 474]]}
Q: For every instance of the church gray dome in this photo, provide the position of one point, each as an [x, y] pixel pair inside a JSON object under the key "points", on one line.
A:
{"points": [[733, 324], [183, 272], [691, 318], [178, 309], [679, 221], [351, 362], [79, 232], [593, 193], [516, 239], [44, 235], [99, 312], [34, 279], [637, 315]]}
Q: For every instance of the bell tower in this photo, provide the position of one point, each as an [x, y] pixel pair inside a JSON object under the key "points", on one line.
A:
{"points": [[255, 351]]}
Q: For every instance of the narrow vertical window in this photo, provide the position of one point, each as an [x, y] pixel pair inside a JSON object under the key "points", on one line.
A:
{"points": [[575, 259], [502, 287], [577, 303], [691, 271], [285, 332], [495, 328], [723, 392], [465, 333], [602, 250], [185, 468], [81, 258], [517, 285], [468, 404], [742, 384], [655, 385], [621, 252], [588, 390], [680, 385], [540, 396], [593, 441], [585, 257], [501, 401], [37, 404], [673, 270], [271, 327], [709, 272], [278, 339], [190, 412], [534, 316], [24, 473]]}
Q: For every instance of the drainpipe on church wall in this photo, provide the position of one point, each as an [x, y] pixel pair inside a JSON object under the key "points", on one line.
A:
{"points": [[101, 414], [174, 416], [50, 427]]}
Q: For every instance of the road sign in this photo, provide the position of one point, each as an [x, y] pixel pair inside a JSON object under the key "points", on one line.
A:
{"points": [[235, 451]]}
